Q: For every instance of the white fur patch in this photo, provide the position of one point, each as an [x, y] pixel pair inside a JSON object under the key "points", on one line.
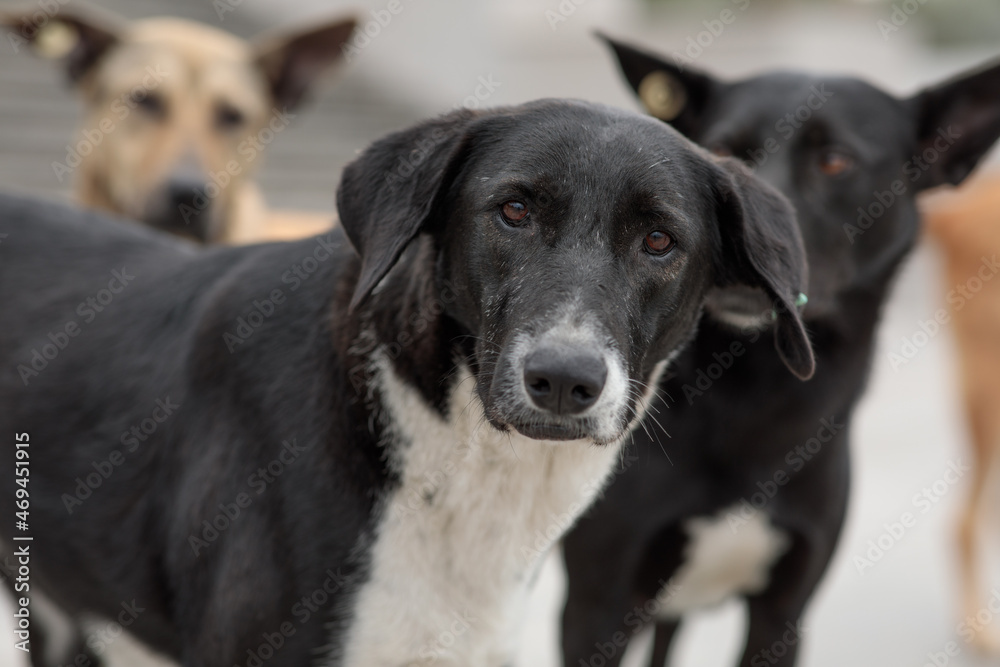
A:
{"points": [[721, 561], [742, 321], [461, 539], [60, 630], [114, 645], [125, 650]]}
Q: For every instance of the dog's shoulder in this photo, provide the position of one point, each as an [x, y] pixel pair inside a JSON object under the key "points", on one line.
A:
{"points": [[37, 234], [44, 220]]}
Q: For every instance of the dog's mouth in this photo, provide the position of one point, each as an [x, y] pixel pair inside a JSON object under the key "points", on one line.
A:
{"points": [[538, 427], [567, 383], [551, 431]]}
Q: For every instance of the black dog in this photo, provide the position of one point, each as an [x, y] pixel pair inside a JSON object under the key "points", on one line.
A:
{"points": [[288, 453], [758, 462]]}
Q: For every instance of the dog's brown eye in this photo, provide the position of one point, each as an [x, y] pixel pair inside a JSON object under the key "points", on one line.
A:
{"points": [[720, 150], [834, 163], [514, 212], [150, 103], [228, 118], [658, 243]]}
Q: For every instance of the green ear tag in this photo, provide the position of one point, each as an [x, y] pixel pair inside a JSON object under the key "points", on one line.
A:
{"points": [[800, 301]]}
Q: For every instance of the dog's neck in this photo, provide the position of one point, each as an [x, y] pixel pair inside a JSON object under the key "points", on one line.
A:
{"points": [[244, 219], [462, 536], [406, 317], [463, 533]]}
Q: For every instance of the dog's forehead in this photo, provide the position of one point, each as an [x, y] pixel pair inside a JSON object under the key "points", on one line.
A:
{"points": [[765, 101], [582, 127], [170, 55], [582, 143], [193, 40]]}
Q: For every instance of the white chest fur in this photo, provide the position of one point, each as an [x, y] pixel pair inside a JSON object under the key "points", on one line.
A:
{"points": [[723, 558], [462, 537]]}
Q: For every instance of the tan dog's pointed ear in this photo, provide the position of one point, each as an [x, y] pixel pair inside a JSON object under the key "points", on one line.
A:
{"points": [[292, 62], [79, 39]]}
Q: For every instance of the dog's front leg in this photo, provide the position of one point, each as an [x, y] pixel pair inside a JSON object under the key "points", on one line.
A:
{"points": [[775, 633]]}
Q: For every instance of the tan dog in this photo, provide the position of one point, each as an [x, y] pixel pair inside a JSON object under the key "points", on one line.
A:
{"points": [[966, 224], [178, 114]]}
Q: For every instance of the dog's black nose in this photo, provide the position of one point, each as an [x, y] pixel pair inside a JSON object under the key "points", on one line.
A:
{"points": [[189, 192], [184, 208], [564, 382]]}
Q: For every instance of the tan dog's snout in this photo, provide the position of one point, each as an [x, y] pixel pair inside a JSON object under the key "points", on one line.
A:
{"points": [[183, 205]]}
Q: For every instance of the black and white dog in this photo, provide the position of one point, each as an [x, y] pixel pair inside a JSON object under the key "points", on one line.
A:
{"points": [[751, 500], [301, 453]]}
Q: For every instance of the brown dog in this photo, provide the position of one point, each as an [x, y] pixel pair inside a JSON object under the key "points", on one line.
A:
{"points": [[966, 224], [178, 114]]}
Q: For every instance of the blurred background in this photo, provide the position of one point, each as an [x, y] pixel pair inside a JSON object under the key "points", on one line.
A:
{"points": [[437, 54]]}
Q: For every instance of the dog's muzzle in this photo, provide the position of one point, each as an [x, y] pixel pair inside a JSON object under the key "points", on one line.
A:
{"points": [[563, 381], [184, 208]]}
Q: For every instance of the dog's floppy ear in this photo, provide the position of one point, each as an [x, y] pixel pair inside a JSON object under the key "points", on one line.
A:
{"points": [[762, 247], [77, 38], [387, 194], [669, 91], [957, 123], [292, 62]]}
